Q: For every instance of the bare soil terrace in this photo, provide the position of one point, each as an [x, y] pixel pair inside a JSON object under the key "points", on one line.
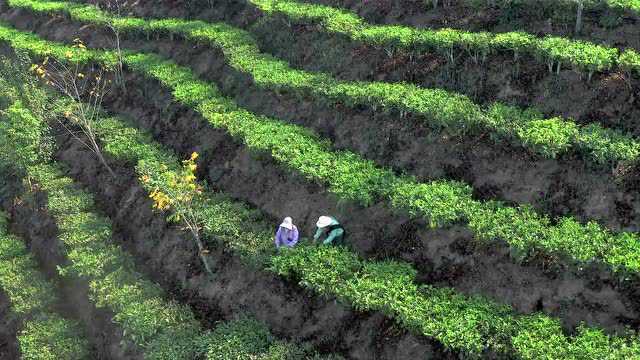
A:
{"points": [[443, 257]]}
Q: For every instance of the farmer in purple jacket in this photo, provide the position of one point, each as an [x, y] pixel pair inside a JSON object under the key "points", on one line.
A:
{"points": [[287, 234]]}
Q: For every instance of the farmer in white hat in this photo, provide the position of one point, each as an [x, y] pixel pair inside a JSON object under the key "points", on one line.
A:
{"points": [[287, 234], [332, 230]]}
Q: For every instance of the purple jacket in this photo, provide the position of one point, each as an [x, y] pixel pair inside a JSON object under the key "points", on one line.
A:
{"points": [[286, 237]]}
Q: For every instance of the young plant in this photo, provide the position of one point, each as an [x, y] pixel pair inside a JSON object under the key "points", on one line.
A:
{"points": [[85, 91], [118, 8], [179, 192]]}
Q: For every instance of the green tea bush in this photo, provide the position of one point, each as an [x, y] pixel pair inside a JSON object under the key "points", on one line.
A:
{"points": [[52, 338], [439, 202], [43, 334], [238, 339], [85, 236], [585, 56], [630, 61], [550, 136], [19, 132], [439, 108], [557, 8], [471, 325], [163, 328], [468, 324]]}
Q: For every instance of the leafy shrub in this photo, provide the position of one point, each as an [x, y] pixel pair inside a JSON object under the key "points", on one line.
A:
{"points": [[438, 107], [439, 202], [238, 339], [585, 56], [469, 324], [630, 61], [44, 334], [52, 338], [164, 329], [20, 135], [549, 137]]}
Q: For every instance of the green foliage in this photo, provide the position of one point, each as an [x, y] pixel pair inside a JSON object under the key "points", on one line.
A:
{"points": [[44, 335], [20, 137], [563, 10], [52, 338], [4, 221], [515, 41], [27, 295], [467, 324], [611, 19], [18, 85], [164, 329], [540, 336], [353, 178], [238, 339], [137, 304], [550, 137], [625, 4], [585, 56], [440, 202], [602, 141], [439, 108], [630, 61], [582, 54], [247, 338]]}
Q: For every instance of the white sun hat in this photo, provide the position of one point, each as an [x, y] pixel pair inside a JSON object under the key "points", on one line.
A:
{"points": [[287, 223], [324, 221]]}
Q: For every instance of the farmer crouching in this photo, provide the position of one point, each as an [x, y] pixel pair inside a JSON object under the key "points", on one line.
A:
{"points": [[331, 229], [287, 234]]}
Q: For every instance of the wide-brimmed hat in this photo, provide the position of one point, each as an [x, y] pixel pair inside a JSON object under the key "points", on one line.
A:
{"points": [[287, 223], [324, 221]]}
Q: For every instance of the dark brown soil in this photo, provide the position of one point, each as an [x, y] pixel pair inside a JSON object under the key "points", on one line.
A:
{"points": [[568, 186], [609, 99], [169, 257], [29, 220], [9, 323], [622, 31], [444, 257], [32, 223], [564, 187], [8, 329]]}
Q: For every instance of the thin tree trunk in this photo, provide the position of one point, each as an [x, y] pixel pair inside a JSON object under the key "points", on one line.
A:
{"points": [[196, 237], [103, 160], [579, 16], [120, 69]]}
